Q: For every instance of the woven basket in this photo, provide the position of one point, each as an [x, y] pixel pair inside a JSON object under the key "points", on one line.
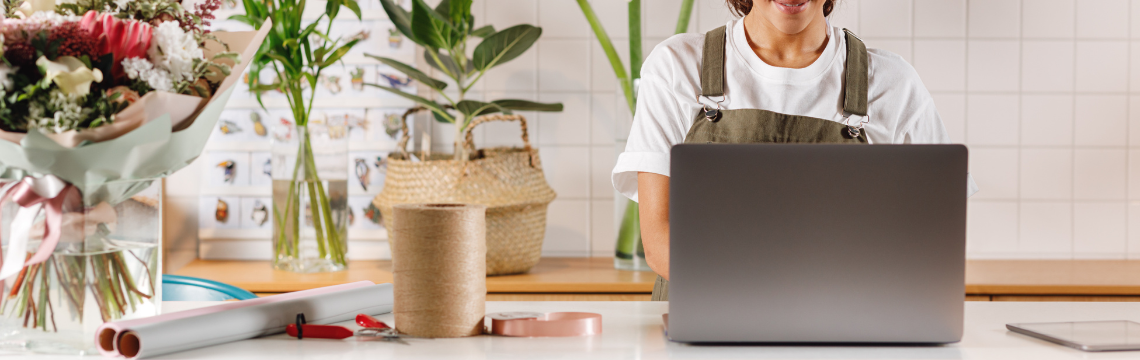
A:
{"points": [[509, 181]]}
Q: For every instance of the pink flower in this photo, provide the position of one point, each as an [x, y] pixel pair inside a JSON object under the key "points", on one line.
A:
{"points": [[122, 37]]}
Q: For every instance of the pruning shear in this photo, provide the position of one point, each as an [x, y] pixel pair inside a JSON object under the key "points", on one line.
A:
{"points": [[373, 330]]}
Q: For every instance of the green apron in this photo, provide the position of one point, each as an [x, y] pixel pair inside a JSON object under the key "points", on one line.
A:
{"points": [[745, 126]]}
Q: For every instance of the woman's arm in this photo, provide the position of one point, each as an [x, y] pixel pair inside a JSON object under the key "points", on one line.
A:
{"points": [[653, 205]]}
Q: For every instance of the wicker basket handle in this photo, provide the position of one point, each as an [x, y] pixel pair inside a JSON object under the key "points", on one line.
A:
{"points": [[470, 143], [402, 145]]}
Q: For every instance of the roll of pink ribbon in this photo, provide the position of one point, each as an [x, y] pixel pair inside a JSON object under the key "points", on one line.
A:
{"points": [[556, 324]]}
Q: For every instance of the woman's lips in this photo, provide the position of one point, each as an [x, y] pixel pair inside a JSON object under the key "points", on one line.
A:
{"points": [[790, 7]]}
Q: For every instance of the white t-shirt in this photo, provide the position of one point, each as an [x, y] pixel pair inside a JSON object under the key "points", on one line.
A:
{"points": [[900, 109]]}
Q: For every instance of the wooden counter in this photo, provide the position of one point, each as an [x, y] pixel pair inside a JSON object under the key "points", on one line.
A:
{"points": [[551, 279], [596, 279]]}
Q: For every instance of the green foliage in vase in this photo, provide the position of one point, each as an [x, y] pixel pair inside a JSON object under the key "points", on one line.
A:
{"points": [[444, 32], [297, 49], [629, 233]]}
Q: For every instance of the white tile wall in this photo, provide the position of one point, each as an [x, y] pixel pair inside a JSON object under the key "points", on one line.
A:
{"points": [[1045, 92]]}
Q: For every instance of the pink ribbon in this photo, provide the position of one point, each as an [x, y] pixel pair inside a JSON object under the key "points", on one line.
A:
{"points": [[25, 194]]}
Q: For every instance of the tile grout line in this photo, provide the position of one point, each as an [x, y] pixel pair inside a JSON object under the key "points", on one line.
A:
{"points": [[1073, 138], [1020, 107]]}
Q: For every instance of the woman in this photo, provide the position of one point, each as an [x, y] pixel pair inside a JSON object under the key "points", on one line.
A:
{"points": [[780, 74]]}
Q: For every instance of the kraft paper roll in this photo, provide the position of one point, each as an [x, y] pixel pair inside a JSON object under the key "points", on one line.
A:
{"points": [[439, 267], [164, 337]]}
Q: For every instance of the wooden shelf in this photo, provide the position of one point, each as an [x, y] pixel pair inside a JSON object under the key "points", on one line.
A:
{"points": [[551, 275], [1053, 277], [581, 278]]}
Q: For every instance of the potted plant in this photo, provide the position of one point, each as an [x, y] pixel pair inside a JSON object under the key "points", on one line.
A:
{"points": [[310, 171], [509, 181]]}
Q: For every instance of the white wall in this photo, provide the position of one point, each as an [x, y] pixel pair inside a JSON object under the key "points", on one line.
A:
{"points": [[1041, 91]]}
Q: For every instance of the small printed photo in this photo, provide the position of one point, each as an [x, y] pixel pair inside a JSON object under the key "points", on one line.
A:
{"points": [[387, 76], [260, 169], [280, 125], [368, 169], [356, 76], [385, 123], [232, 5], [256, 212], [219, 212], [363, 215], [233, 126], [226, 168], [333, 81]]}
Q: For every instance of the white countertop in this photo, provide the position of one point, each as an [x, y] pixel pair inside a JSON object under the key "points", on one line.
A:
{"points": [[633, 330]]}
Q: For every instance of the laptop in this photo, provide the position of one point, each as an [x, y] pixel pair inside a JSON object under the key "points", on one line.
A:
{"points": [[817, 243]]}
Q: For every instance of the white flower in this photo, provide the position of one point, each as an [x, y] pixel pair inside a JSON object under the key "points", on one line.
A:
{"points": [[142, 69], [31, 7], [5, 71], [70, 74], [175, 50], [66, 110]]}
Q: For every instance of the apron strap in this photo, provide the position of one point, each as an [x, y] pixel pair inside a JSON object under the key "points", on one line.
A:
{"points": [[855, 76], [712, 63]]}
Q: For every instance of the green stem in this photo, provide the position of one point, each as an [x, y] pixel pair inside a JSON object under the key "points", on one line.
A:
{"points": [[611, 53], [683, 18], [333, 236]]}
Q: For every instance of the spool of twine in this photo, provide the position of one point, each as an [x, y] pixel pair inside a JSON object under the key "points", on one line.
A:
{"points": [[439, 261]]}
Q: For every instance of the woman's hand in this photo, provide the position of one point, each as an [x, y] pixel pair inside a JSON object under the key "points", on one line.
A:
{"points": [[653, 205]]}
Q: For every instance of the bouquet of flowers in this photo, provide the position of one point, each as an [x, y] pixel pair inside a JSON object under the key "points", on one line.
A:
{"points": [[97, 99]]}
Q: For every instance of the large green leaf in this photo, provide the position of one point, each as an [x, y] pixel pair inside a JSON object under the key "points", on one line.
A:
{"points": [[525, 105], [460, 12], [472, 108], [400, 18], [483, 31], [505, 45], [411, 72], [430, 29]]}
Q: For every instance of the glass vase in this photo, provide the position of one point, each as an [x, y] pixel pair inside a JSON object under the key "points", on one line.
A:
{"points": [[310, 197], [630, 254], [106, 267]]}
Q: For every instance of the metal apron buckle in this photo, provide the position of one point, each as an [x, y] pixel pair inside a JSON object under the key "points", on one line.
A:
{"points": [[712, 114], [855, 130]]}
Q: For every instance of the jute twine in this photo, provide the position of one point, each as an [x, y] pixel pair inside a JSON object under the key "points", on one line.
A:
{"points": [[439, 269]]}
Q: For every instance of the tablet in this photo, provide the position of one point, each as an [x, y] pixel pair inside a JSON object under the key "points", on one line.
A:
{"points": [[1085, 335]]}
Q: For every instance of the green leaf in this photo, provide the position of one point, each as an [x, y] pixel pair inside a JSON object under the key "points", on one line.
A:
{"points": [[525, 105], [460, 11], [483, 31], [353, 6], [312, 80], [472, 108], [505, 45], [411, 72], [684, 16], [447, 61], [339, 53], [635, 57], [332, 8], [430, 29], [399, 18], [611, 52], [431, 105]]}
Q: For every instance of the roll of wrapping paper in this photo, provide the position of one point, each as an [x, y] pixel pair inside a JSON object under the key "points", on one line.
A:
{"points": [[107, 335], [164, 337], [439, 261]]}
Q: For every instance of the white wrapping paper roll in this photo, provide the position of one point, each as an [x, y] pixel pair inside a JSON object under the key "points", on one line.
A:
{"points": [[166, 337]]}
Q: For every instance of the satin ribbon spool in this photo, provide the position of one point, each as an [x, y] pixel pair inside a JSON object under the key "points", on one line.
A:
{"points": [[439, 262], [556, 324]]}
